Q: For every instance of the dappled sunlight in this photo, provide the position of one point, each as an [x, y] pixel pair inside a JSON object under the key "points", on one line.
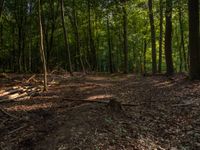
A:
{"points": [[103, 96], [18, 93], [29, 108], [148, 143], [164, 84]]}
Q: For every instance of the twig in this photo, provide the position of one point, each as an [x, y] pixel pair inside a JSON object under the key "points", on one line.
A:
{"points": [[85, 100], [10, 115], [17, 129], [33, 76], [184, 105]]}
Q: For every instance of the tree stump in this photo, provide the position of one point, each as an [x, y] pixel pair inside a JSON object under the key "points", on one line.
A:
{"points": [[115, 105]]}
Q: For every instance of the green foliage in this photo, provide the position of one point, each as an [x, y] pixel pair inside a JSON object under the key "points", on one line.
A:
{"points": [[20, 33]]}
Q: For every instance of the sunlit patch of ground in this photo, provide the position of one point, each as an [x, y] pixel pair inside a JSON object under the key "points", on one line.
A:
{"points": [[167, 118]]}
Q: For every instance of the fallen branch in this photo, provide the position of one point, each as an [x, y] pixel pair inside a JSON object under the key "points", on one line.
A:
{"points": [[31, 78], [6, 100], [10, 115], [184, 105], [22, 127], [85, 100], [98, 101]]}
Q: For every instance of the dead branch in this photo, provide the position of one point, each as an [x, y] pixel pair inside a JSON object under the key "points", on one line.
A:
{"points": [[16, 130], [100, 102], [85, 100], [6, 100], [8, 114], [31, 78], [185, 105]]}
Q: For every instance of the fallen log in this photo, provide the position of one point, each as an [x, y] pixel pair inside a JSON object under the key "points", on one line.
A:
{"points": [[13, 91]]}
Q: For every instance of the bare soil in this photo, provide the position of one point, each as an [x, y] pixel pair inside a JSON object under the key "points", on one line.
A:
{"points": [[164, 113]]}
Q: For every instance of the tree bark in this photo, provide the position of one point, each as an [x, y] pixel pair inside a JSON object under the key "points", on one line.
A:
{"points": [[168, 38], [125, 38], [42, 53], [65, 37], [91, 40], [1, 7], [144, 55], [160, 38], [182, 39], [153, 37], [77, 37], [194, 50], [109, 46]]}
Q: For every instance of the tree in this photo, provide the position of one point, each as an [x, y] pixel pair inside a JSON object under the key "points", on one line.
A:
{"points": [[160, 38], [168, 38], [125, 37], [1, 6], [42, 54], [153, 37], [77, 37], [65, 36], [93, 55], [194, 50], [109, 45], [182, 50], [53, 12]]}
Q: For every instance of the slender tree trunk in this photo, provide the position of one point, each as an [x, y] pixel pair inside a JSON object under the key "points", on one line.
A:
{"points": [[144, 59], [91, 41], [168, 38], [160, 38], [109, 46], [65, 37], [179, 47], [153, 37], [182, 39], [42, 53], [1, 7], [20, 48], [30, 38], [1, 28], [194, 48], [125, 38], [1, 45], [53, 15], [78, 45]]}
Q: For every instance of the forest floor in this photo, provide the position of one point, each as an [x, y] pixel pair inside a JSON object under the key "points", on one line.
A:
{"points": [[164, 113]]}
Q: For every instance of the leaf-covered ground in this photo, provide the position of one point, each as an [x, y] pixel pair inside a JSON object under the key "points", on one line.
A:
{"points": [[165, 114]]}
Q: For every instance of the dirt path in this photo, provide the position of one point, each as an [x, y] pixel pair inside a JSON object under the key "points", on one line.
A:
{"points": [[167, 115]]}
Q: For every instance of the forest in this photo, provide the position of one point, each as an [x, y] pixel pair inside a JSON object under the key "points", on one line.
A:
{"points": [[106, 74]]}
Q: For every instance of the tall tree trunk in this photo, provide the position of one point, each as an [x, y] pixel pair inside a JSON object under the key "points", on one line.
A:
{"points": [[91, 40], [125, 38], [65, 37], [194, 48], [30, 37], [20, 48], [1, 7], [42, 53], [160, 38], [78, 44], [53, 16], [144, 55], [168, 38], [182, 38], [109, 46], [153, 37]]}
